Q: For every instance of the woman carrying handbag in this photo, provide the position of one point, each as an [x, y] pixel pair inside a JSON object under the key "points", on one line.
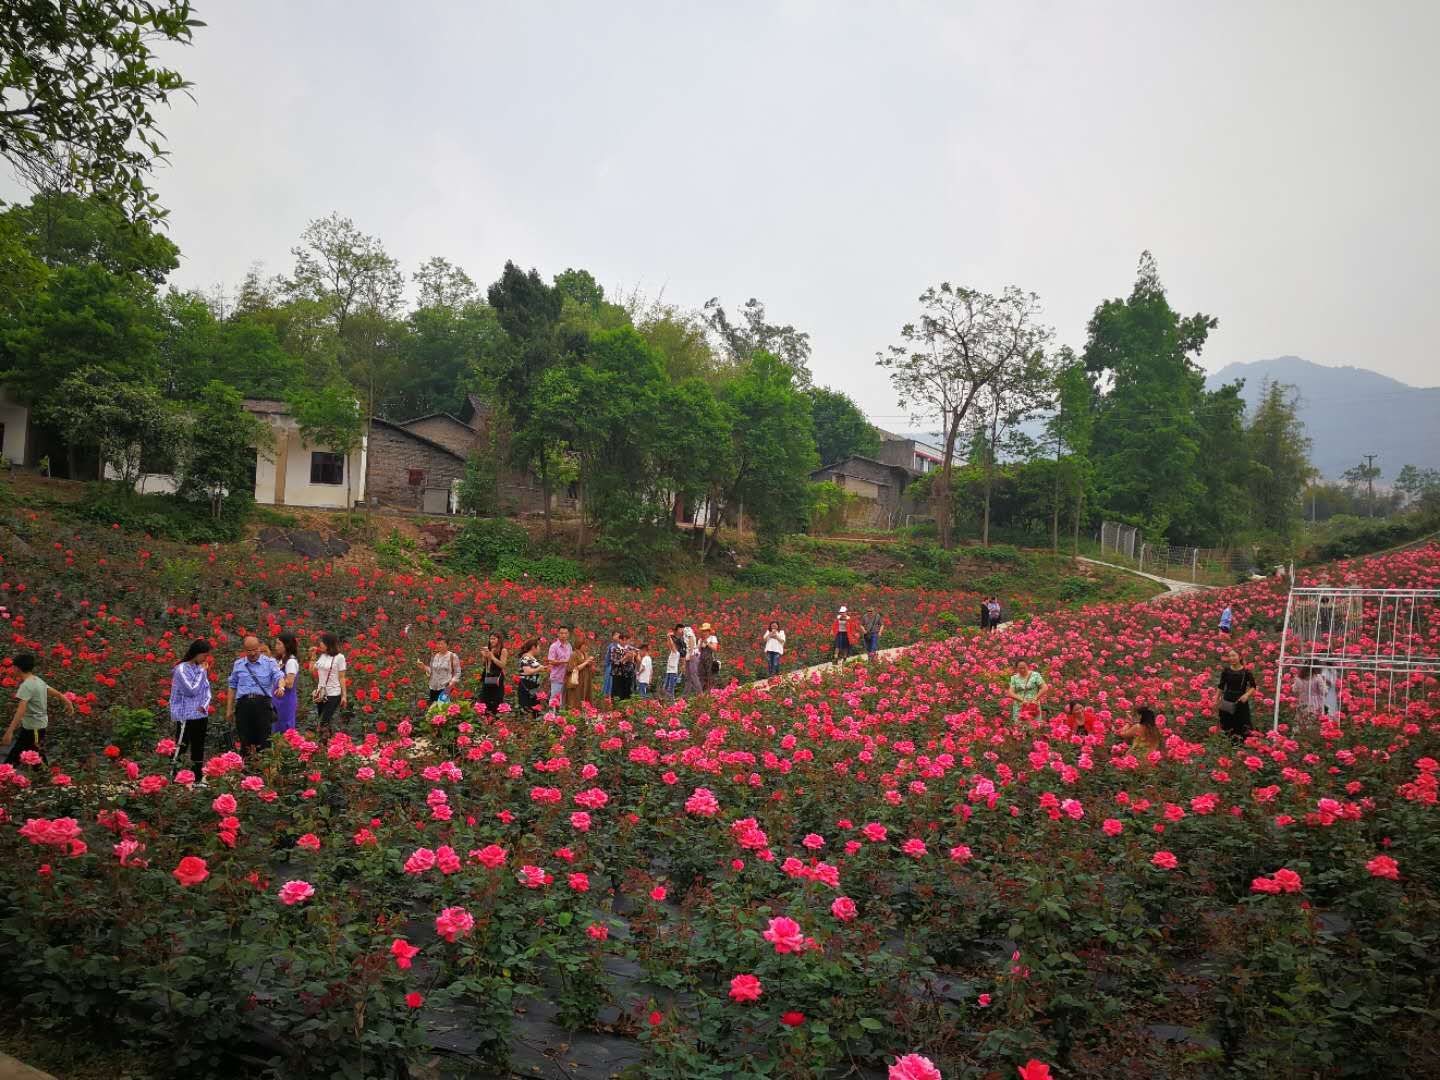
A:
{"points": [[332, 685]]}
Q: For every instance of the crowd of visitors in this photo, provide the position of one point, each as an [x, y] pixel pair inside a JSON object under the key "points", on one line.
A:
{"points": [[263, 681]]}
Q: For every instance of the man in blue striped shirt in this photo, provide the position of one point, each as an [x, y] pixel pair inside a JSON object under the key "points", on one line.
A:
{"points": [[255, 681]]}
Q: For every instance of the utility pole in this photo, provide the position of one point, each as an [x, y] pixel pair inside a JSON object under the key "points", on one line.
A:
{"points": [[1370, 481]]}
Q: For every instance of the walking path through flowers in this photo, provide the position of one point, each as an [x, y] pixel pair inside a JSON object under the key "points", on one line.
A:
{"points": [[1172, 584]]}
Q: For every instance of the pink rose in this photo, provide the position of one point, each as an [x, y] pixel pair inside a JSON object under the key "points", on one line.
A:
{"points": [[914, 1067], [785, 934], [843, 908], [745, 988], [295, 892], [191, 871], [1165, 860]]}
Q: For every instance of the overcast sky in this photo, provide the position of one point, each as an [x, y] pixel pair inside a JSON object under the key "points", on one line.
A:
{"points": [[833, 159]]}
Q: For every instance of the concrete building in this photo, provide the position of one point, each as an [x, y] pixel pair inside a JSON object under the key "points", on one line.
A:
{"points": [[14, 429], [880, 500]]}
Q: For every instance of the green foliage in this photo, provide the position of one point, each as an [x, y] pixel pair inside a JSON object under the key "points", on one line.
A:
{"points": [[132, 730], [222, 438], [828, 501], [180, 577], [1150, 427], [400, 554], [795, 571], [1280, 463], [481, 544], [1346, 537], [1004, 554], [165, 517], [554, 571], [329, 417], [480, 486], [840, 427], [82, 83], [121, 420], [1077, 587]]}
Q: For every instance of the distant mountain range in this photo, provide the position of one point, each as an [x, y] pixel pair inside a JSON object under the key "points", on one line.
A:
{"points": [[1350, 412]]}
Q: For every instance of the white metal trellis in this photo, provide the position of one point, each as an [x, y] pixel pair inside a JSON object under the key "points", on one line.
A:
{"points": [[1385, 634]]}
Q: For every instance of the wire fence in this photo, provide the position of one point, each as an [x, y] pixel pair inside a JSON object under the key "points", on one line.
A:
{"points": [[1123, 543]]}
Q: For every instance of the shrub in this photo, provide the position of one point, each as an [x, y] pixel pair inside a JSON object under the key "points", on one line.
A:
{"points": [[165, 517], [553, 570], [398, 553], [482, 544], [131, 729], [1077, 587], [1005, 554]]}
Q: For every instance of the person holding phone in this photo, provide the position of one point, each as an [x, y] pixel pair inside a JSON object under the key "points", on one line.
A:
{"points": [[442, 670], [774, 642], [493, 658], [1233, 694]]}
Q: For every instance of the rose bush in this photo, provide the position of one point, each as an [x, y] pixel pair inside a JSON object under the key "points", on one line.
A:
{"points": [[877, 866]]}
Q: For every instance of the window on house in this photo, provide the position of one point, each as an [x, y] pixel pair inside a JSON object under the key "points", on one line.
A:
{"points": [[417, 477], [326, 468]]}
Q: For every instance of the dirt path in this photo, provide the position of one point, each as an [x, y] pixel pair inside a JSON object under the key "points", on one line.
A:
{"points": [[860, 657], [1171, 584]]}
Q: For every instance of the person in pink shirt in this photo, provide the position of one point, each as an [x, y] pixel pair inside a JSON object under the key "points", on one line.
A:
{"points": [[559, 657]]}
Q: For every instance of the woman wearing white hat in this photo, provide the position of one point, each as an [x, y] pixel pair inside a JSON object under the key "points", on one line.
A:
{"points": [[842, 635]]}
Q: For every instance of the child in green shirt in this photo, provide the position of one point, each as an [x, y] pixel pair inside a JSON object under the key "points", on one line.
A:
{"points": [[32, 713]]}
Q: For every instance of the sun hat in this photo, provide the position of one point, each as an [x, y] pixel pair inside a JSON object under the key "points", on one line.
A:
{"points": [[843, 609], [704, 626]]}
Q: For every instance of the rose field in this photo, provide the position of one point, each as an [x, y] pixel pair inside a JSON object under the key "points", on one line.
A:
{"points": [[857, 873]]}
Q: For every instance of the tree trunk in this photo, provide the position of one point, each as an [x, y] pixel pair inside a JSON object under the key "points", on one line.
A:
{"points": [[580, 517], [989, 477], [1055, 515], [1079, 509], [952, 429], [545, 490]]}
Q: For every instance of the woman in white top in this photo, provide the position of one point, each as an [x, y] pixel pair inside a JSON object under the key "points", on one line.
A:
{"points": [[774, 648], [332, 685], [443, 670]]}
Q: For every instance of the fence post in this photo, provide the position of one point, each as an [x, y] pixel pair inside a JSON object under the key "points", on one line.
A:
{"points": [[1194, 563]]}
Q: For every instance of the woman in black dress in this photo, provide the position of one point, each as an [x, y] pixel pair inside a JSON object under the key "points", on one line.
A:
{"points": [[1236, 687], [492, 679]]}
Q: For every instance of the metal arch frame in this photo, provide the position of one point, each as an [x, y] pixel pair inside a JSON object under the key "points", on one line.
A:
{"points": [[1377, 662]]}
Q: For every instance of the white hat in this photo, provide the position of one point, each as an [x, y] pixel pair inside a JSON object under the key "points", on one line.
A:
{"points": [[842, 609]]}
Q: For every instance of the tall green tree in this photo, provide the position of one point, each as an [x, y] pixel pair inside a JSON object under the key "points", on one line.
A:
{"points": [[751, 334], [1420, 487], [1018, 392], [124, 421], [1364, 475], [221, 444], [1224, 508], [1073, 428], [963, 341], [1279, 459], [772, 451], [528, 311], [1148, 437], [841, 429], [80, 84]]}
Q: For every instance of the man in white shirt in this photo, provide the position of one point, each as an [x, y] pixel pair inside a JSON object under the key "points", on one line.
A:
{"points": [[774, 648]]}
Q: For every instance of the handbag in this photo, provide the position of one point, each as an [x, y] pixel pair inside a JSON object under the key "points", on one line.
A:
{"points": [[321, 692], [574, 678], [1227, 707]]}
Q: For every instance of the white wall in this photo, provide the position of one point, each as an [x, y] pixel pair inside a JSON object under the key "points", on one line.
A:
{"points": [[16, 419], [298, 490]]}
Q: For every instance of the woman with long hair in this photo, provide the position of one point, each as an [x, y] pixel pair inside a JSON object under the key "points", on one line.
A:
{"points": [[287, 654], [1142, 735], [332, 685], [580, 672], [493, 658], [190, 703]]}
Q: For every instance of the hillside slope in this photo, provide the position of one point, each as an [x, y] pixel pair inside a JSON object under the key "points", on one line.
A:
{"points": [[1350, 412]]}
